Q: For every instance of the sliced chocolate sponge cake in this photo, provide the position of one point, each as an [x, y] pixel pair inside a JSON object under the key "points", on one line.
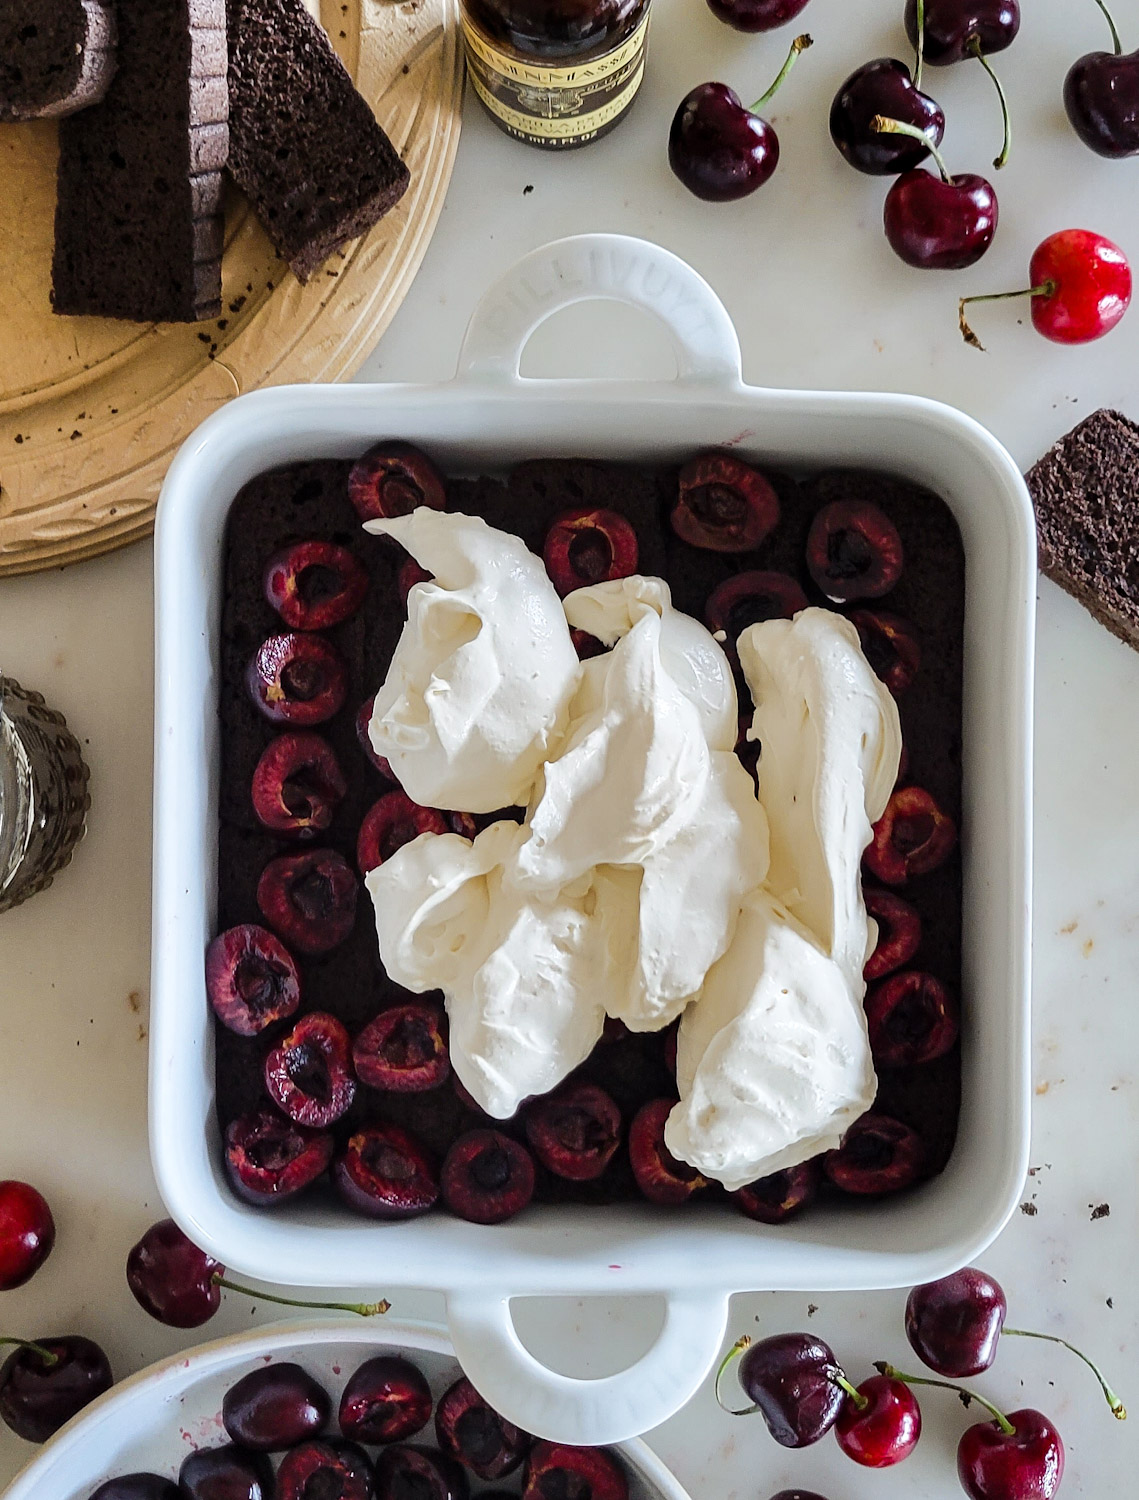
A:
{"points": [[138, 228], [1086, 494], [55, 58], [304, 146]]}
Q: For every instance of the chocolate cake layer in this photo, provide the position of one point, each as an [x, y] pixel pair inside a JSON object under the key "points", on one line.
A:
{"points": [[55, 59]]}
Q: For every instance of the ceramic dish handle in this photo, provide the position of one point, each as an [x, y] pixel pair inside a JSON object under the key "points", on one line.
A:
{"points": [[587, 1412], [613, 267]]}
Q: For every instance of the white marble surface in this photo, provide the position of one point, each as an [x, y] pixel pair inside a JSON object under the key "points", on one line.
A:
{"points": [[819, 301]]}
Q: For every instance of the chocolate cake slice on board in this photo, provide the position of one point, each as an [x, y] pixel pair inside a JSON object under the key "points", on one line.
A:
{"points": [[56, 56], [304, 146], [138, 227], [1086, 494]]}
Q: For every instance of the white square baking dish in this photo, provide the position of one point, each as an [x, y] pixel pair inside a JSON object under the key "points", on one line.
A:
{"points": [[490, 417]]}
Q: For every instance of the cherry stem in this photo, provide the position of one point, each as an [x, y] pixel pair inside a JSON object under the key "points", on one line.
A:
{"points": [[1045, 289], [1118, 1410], [975, 50], [919, 64], [48, 1358], [361, 1309], [1110, 21], [885, 126], [742, 1343], [836, 1377], [946, 1385], [800, 44]]}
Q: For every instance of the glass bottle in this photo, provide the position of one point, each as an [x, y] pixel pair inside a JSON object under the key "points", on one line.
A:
{"points": [[556, 73], [43, 794]]}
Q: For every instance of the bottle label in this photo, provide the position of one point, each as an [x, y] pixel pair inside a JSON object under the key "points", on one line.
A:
{"points": [[558, 107]]}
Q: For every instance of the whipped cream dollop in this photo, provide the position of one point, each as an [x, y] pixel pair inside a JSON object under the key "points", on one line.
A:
{"points": [[479, 685], [773, 1063]]}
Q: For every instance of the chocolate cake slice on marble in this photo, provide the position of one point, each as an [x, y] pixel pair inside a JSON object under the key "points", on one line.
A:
{"points": [[55, 58], [1086, 494]]}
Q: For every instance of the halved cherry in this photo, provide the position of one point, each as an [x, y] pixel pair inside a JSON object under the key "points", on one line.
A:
{"points": [[363, 720], [270, 1159], [410, 573], [912, 837], [555, 1469], [251, 979], [309, 899], [330, 1470], [412, 1471], [389, 824], [298, 679], [854, 551], [723, 504], [589, 545], [385, 1401], [899, 932], [911, 1018], [660, 1177], [314, 585], [575, 1131], [470, 1430], [749, 598], [393, 479], [384, 1172], [587, 645], [780, 1196], [878, 1155], [487, 1178], [890, 644], [308, 1074], [464, 824], [298, 784], [404, 1050]]}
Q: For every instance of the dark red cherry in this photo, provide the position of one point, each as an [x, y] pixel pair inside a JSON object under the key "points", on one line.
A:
{"points": [[790, 1378], [404, 1050], [226, 1473], [720, 150], [390, 823], [466, 825], [890, 644], [298, 679], [363, 720], [1026, 1464], [315, 585], [487, 1178], [883, 1426], [756, 15], [270, 1159], [27, 1233], [330, 1470], [473, 1432], [38, 1396], [854, 551], [393, 479], [660, 1177], [937, 224], [406, 1471], [554, 1470], [138, 1486], [952, 27], [878, 1155], [899, 932], [797, 1495], [911, 1018], [575, 1131], [251, 979], [298, 785], [172, 1279], [1101, 96], [410, 573], [883, 87], [385, 1401], [586, 645], [747, 750], [275, 1407], [780, 1196], [723, 504], [384, 1172], [589, 545], [954, 1325], [748, 599], [309, 899], [308, 1074], [912, 837]]}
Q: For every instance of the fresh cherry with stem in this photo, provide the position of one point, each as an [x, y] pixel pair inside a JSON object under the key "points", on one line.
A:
{"points": [[886, 87], [44, 1382], [756, 15], [27, 1233], [879, 1423], [794, 1382], [720, 150], [937, 223], [1101, 96], [950, 31], [1080, 286]]}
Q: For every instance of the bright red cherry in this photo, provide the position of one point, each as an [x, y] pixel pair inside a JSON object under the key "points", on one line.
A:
{"points": [[1080, 286], [1020, 1457], [27, 1233], [880, 1423], [756, 15]]}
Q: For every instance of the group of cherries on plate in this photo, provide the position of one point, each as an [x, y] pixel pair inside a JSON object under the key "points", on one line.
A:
{"points": [[884, 124], [313, 1073]]}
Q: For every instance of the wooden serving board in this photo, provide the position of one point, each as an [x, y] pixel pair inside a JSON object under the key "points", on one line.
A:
{"points": [[92, 410]]}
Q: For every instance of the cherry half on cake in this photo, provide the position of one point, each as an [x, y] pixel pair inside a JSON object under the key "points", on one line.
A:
{"points": [[773, 1199], [27, 1233], [899, 932], [410, 573], [660, 1177], [723, 504], [393, 479], [385, 1401], [298, 785], [555, 1469], [589, 545], [890, 644], [314, 585], [274, 1408], [298, 679], [487, 1178], [1101, 97], [912, 837], [911, 1018], [309, 899], [471, 1431], [251, 979], [749, 599], [270, 1159], [404, 1050], [363, 721], [407, 1471], [385, 1173], [575, 1131], [391, 822], [878, 1155], [854, 551], [308, 1075], [44, 1382]]}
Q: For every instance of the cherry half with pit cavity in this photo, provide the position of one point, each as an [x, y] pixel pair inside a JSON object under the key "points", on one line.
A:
{"points": [[756, 15], [471, 1431], [912, 837], [911, 1019], [251, 979], [792, 1380], [274, 1408], [308, 1075], [1101, 96], [854, 551], [487, 1178], [314, 585], [309, 899], [404, 1050], [391, 822], [723, 504], [880, 1423], [330, 1470], [298, 679], [773, 1199], [556, 1469], [587, 546], [363, 723], [660, 1177], [575, 1131], [385, 1173], [884, 87], [44, 1382], [393, 479], [899, 932], [1079, 286], [720, 150], [890, 644], [407, 1471], [298, 785], [27, 1233], [749, 599], [270, 1159], [385, 1401], [878, 1155]]}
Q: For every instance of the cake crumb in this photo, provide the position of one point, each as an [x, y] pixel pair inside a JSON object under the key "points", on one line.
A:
{"points": [[1030, 1209], [1100, 1211]]}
